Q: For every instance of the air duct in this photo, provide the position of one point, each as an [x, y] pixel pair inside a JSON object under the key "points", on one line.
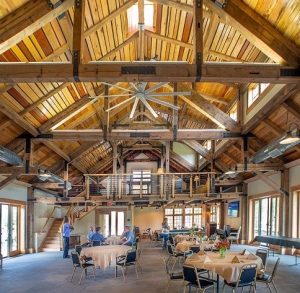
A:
{"points": [[49, 176], [10, 157], [272, 150]]}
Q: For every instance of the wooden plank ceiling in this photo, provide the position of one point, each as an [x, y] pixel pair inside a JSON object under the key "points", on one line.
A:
{"points": [[109, 36]]}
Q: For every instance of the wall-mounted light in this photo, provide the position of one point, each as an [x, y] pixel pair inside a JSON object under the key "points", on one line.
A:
{"points": [[160, 171]]}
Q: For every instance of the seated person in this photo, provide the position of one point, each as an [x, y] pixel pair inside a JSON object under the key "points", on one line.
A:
{"points": [[97, 236], [128, 237], [90, 234]]}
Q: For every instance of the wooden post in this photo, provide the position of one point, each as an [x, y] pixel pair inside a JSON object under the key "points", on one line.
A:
{"points": [[175, 114], [27, 155], [78, 39], [191, 186], [173, 186], [167, 157], [244, 214], [284, 204], [141, 30], [87, 186], [106, 114], [30, 221], [66, 178], [198, 36]]}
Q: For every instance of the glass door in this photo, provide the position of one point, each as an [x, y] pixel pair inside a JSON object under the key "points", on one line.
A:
{"points": [[266, 216], [9, 230]]}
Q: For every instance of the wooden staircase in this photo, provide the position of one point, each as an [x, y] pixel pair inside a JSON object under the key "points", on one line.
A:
{"points": [[53, 238], [52, 241]]}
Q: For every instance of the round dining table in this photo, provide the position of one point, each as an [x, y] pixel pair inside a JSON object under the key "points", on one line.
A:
{"points": [[179, 238], [104, 255], [225, 267], [113, 240], [186, 245]]}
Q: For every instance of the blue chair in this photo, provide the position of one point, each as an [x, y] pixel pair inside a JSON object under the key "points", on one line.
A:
{"points": [[172, 276], [263, 254], [124, 261], [195, 249], [247, 278], [96, 243], [173, 254], [268, 279], [193, 280], [78, 249]]}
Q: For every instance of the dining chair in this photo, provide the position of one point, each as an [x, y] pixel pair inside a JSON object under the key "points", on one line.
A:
{"points": [[247, 278], [235, 236], [78, 264], [195, 249], [173, 254], [268, 279], [78, 249], [192, 279], [124, 261], [263, 254], [96, 243], [172, 276]]}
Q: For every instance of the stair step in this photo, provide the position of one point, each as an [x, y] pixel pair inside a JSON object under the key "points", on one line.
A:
{"points": [[51, 246], [49, 249]]}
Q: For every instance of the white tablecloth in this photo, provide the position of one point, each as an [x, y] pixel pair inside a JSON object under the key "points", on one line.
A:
{"points": [[104, 255], [179, 238], [223, 266], [113, 240], [185, 245]]}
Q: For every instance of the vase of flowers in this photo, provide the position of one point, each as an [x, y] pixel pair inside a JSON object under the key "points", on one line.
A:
{"points": [[222, 245]]}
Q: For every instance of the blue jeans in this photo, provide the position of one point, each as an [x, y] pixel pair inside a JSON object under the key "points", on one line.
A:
{"points": [[165, 239], [66, 247]]}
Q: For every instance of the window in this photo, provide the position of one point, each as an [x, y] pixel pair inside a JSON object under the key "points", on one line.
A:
{"points": [[296, 215], [184, 217], [114, 223], [233, 112], [254, 90], [133, 16], [141, 182], [214, 214]]}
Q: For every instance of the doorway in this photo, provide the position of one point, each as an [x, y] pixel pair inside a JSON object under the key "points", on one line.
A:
{"points": [[9, 222], [112, 222], [266, 216]]}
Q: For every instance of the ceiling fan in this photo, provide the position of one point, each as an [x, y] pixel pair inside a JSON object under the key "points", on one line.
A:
{"points": [[139, 93]]}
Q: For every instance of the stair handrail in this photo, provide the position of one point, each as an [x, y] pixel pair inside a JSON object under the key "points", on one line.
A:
{"points": [[47, 221]]}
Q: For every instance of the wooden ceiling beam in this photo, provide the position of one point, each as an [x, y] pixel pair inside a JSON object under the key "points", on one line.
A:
{"points": [[199, 148], [198, 103], [141, 26], [148, 71], [143, 134], [27, 19], [286, 92], [292, 108]]}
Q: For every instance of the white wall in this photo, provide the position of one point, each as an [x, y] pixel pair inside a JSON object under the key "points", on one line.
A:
{"points": [[14, 191], [258, 186], [294, 176], [185, 152], [148, 218], [81, 227]]}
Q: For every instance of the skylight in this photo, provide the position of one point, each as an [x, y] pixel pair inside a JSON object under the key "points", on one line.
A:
{"points": [[133, 16]]}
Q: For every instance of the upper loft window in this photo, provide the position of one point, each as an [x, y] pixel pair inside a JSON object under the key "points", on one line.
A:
{"points": [[233, 112], [133, 16], [254, 90]]}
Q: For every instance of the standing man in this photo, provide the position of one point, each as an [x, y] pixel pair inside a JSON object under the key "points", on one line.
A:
{"points": [[67, 227], [90, 234], [165, 230]]}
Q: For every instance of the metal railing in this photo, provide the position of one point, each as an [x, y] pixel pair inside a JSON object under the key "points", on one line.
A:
{"points": [[162, 185]]}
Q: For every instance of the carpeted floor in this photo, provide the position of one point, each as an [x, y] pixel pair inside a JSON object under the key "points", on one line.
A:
{"points": [[48, 272]]}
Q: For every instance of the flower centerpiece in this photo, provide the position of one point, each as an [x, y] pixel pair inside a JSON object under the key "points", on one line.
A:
{"points": [[222, 245]]}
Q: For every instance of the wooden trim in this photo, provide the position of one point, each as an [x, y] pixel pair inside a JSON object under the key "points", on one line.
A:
{"points": [[264, 194], [12, 202], [259, 98]]}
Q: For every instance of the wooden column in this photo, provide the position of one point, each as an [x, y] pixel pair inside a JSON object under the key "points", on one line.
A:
{"points": [[167, 157], [245, 152], [213, 149], [30, 221], [66, 178], [244, 214], [175, 114], [27, 155], [198, 36], [222, 215], [284, 204], [78, 39], [141, 30], [115, 157], [106, 114]]}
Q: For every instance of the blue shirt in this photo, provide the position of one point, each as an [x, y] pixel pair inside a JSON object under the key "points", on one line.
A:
{"points": [[66, 230], [97, 237], [90, 235], [129, 236]]}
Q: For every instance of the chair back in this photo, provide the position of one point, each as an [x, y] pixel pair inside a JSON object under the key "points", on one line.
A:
{"points": [[75, 259], [275, 268], [195, 249], [190, 275], [263, 254], [131, 256], [247, 276], [78, 249], [96, 243], [170, 248], [238, 232], [171, 239]]}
